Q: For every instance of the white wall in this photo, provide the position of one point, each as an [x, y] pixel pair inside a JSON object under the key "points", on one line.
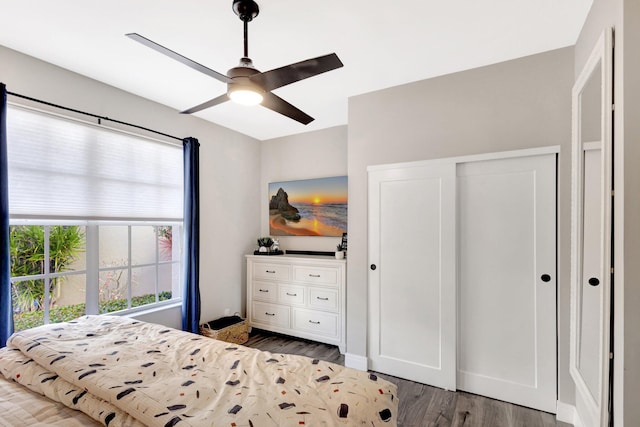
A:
{"points": [[229, 169]]}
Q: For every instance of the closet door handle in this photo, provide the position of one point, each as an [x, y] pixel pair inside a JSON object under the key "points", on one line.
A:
{"points": [[545, 278], [594, 281], [373, 266]]}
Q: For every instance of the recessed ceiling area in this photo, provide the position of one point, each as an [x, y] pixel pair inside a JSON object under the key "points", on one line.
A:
{"points": [[382, 44]]}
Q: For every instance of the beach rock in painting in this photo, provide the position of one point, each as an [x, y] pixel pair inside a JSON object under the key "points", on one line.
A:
{"points": [[279, 203]]}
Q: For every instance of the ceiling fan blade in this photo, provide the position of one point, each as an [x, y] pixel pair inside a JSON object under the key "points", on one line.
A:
{"points": [[210, 103], [182, 59], [279, 105], [288, 74]]}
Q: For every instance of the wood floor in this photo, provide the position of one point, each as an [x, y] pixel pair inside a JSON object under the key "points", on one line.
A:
{"points": [[420, 405]]}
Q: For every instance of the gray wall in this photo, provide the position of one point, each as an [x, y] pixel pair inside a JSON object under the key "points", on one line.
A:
{"points": [[517, 104], [624, 16], [229, 169], [630, 233], [316, 154]]}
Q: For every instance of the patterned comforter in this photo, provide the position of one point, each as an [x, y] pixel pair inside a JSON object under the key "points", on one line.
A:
{"points": [[124, 372]]}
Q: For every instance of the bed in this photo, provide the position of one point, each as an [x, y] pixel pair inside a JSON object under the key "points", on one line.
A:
{"points": [[122, 372]]}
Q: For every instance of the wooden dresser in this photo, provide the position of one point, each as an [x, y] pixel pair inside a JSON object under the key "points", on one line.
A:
{"points": [[298, 295]]}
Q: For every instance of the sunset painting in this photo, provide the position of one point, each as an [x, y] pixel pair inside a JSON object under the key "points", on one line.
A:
{"points": [[311, 207]]}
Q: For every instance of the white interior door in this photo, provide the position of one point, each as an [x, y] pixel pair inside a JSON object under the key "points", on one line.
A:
{"points": [[412, 275], [591, 235], [507, 280]]}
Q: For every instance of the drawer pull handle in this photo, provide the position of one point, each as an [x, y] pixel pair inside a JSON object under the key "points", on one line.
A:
{"points": [[264, 290], [315, 323], [323, 299], [292, 295], [270, 271], [269, 314], [314, 275]]}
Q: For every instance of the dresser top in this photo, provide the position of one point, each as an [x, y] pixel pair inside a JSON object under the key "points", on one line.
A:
{"points": [[292, 257]]}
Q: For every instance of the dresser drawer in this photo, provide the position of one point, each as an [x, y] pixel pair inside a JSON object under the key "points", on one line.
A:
{"points": [[315, 322], [272, 314], [324, 299], [291, 294], [270, 271], [319, 275], [266, 291]]}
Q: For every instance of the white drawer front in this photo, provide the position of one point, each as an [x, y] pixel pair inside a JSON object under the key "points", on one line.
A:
{"points": [[265, 291], [315, 322], [325, 299], [272, 314], [291, 294], [262, 270], [320, 275]]}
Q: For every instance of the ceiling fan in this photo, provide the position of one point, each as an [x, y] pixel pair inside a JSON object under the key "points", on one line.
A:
{"points": [[245, 84]]}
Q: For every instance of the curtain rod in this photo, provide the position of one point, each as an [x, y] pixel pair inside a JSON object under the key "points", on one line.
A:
{"points": [[93, 115]]}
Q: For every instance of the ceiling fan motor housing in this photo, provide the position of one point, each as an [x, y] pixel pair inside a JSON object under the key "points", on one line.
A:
{"points": [[240, 76]]}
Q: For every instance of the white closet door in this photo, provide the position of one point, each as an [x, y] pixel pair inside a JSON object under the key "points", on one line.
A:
{"points": [[507, 280], [412, 273]]}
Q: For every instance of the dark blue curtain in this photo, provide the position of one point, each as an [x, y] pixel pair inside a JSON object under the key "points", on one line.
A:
{"points": [[191, 248], [6, 314]]}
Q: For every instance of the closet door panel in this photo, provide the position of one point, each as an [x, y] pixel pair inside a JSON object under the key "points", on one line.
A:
{"points": [[506, 329], [412, 288]]}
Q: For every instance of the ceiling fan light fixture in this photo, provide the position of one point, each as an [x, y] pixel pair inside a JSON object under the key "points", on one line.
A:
{"points": [[245, 96]]}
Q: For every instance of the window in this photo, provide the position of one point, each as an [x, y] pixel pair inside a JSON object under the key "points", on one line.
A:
{"points": [[95, 219]]}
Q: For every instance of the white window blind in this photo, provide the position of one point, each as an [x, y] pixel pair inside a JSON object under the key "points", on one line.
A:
{"points": [[68, 169]]}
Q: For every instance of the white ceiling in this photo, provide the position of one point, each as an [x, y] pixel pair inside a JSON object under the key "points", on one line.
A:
{"points": [[382, 43]]}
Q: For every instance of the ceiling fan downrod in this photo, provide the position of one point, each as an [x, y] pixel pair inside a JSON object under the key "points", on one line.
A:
{"points": [[246, 11]]}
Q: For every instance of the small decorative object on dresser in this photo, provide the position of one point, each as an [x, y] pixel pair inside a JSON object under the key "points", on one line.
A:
{"points": [[264, 244], [339, 251], [299, 295], [267, 246]]}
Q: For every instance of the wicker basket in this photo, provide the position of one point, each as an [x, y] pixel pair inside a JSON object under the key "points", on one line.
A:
{"points": [[231, 329]]}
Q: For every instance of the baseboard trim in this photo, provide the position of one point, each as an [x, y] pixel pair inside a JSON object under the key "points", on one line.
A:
{"points": [[356, 362], [567, 414]]}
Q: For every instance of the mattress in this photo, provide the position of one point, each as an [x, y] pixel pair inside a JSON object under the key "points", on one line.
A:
{"points": [[22, 407]]}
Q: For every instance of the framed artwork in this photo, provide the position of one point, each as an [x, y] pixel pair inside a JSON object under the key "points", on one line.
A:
{"points": [[310, 207]]}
